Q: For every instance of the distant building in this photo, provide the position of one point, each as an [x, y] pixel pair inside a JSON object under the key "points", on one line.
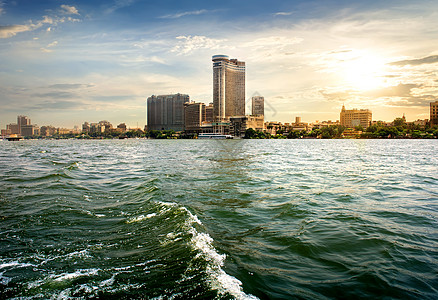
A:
{"points": [[258, 106], [421, 123], [239, 125], [355, 117], [85, 127], [30, 130], [106, 125], [194, 116], [297, 120], [97, 128], [228, 88], [322, 124], [351, 133], [434, 113], [121, 127], [166, 112], [13, 128], [47, 130], [209, 113], [5, 132], [22, 121]]}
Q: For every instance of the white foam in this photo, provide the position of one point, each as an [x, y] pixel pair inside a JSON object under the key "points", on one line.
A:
{"points": [[15, 264], [108, 282], [78, 273], [141, 218], [4, 280], [82, 254], [219, 280]]}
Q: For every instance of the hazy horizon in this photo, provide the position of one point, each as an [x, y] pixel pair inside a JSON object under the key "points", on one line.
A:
{"points": [[64, 63]]}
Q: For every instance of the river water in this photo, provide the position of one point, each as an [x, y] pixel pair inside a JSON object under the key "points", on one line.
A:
{"points": [[244, 219]]}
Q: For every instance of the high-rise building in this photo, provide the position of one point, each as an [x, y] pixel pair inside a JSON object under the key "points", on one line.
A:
{"points": [[434, 113], [166, 112], [355, 117], [258, 106], [22, 121], [228, 87]]}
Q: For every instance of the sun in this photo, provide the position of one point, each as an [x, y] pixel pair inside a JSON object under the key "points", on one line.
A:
{"points": [[363, 72]]}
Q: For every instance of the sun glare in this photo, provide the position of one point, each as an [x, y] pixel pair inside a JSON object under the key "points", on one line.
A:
{"points": [[364, 72]]}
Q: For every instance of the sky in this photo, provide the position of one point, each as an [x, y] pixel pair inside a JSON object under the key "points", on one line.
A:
{"points": [[66, 62]]}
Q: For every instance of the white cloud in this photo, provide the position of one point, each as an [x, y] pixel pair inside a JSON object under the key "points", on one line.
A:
{"points": [[119, 4], [182, 14], [283, 13], [52, 44], [69, 10], [273, 41], [190, 43], [45, 50], [12, 30]]}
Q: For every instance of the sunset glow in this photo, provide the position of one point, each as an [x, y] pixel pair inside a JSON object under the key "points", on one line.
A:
{"points": [[75, 61]]}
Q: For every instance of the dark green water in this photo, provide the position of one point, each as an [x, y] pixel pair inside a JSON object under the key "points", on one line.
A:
{"points": [[179, 219]]}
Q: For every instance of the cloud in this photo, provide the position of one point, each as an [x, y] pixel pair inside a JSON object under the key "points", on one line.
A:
{"points": [[12, 30], [69, 10], [68, 86], [283, 13], [119, 4], [53, 44], [55, 95], [336, 96], [183, 14], [417, 101], [415, 62], [59, 105], [401, 90], [273, 41], [190, 43]]}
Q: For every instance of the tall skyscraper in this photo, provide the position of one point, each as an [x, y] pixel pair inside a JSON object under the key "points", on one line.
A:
{"points": [[258, 106], [434, 113], [228, 87], [355, 117], [166, 112]]}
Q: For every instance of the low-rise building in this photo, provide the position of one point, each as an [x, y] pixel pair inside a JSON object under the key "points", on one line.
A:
{"points": [[121, 127], [351, 133], [48, 130], [239, 125]]}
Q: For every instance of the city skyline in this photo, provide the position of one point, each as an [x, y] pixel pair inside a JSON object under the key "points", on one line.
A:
{"points": [[69, 62]]}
